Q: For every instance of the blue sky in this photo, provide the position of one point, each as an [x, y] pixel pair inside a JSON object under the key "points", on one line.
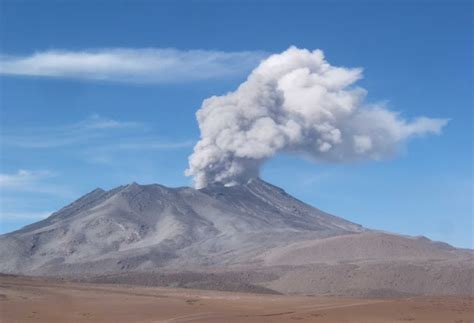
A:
{"points": [[66, 130]]}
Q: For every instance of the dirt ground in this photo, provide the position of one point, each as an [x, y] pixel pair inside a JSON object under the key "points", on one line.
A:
{"points": [[37, 300]]}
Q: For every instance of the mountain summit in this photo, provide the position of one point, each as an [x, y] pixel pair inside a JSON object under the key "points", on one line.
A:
{"points": [[255, 229]]}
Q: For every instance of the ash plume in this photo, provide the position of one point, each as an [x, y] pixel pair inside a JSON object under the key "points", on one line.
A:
{"points": [[295, 102]]}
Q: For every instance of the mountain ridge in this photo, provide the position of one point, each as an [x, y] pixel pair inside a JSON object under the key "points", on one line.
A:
{"points": [[256, 228]]}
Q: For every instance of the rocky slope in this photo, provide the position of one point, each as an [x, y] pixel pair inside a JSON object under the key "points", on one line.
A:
{"points": [[254, 236]]}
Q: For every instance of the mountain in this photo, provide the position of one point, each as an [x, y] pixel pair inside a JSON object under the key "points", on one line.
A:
{"points": [[252, 236]]}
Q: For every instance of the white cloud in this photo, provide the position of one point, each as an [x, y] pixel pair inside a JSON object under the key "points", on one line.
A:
{"points": [[95, 139], [153, 145], [92, 131], [19, 189], [296, 102], [152, 65], [108, 153], [93, 127], [23, 179], [97, 122], [33, 181], [30, 216]]}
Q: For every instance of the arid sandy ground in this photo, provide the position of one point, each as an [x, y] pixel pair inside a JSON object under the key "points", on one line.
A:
{"points": [[37, 300]]}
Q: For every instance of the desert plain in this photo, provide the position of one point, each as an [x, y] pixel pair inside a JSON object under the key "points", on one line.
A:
{"points": [[26, 299]]}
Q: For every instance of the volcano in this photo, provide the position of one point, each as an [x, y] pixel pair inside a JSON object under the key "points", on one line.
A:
{"points": [[250, 237]]}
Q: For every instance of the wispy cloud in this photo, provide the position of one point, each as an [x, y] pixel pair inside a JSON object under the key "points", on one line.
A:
{"points": [[93, 127], [107, 153], [97, 122], [33, 181], [95, 139], [19, 189], [23, 179], [30, 216], [152, 65], [151, 144]]}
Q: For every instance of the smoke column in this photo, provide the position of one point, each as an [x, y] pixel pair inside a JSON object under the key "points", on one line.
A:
{"points": [[295, 102]]}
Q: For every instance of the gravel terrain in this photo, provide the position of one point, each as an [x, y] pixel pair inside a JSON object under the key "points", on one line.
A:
{"points": [[24, 299]]}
